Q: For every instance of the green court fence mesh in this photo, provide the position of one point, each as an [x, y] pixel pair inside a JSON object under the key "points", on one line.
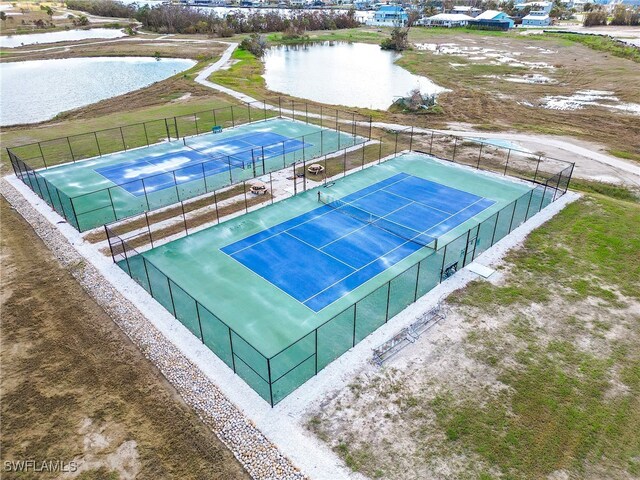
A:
{"points": [[106, 205], [276, 376]]}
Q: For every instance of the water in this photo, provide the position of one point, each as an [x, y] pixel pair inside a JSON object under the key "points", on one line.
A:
{"points": [[350, 74], [12, 41], [38, 90]]}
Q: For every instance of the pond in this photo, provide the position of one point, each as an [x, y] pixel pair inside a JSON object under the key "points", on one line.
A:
{"points": [[38, 90], [350, 74], [12, 41]]}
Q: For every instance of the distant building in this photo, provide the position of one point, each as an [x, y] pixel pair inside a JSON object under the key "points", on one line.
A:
{"points": [[495, 16], [445, 20], [464, 10], [389, 16], [536, 6], [536, 19]]}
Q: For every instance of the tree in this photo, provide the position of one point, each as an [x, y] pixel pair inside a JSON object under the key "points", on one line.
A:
{"points": [[398, 41], [587, 7], [595, 18], [3, 16]]}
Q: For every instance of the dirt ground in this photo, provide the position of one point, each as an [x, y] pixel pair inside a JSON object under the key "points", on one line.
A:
{"points": [[74, 388]]}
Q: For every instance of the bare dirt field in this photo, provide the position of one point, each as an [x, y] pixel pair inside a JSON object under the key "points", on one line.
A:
{"points": [[533, 374], [74, 388]]}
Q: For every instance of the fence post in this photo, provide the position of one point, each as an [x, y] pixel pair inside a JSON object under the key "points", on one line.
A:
{"points": [[479, 156], [199, 322], [270, 384], [73, 158], [411, 139], [415, 296], [535, 175], [280, 106], [146, 271], [184, 218], [455, 145], [444, 258], [166, 126], [337, 128], [41, 154], [495, 227], [144, 126], [370, 126], [113, 207], [215, 121], [175, 123], [431, 143], [215, 201], [95, 135], [362, 168], [355, 309], [380, 151], [173, 305], [233, 359], [316, 351], [513, 214], [249, 111], [353, 124], [386, 315], [244, 188], [284, 156], [195, 119], [106, 231], [144, 189], [306, 110], [146, 218], [395, 153], [344, 163], [507, 163], [271, 186], [233, 120], [124, 144]]}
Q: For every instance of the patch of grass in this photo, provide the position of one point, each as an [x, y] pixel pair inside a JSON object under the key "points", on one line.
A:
{"points": [[244, 75], [553, 419], [614, 191], [603, 44], [624, 154]]}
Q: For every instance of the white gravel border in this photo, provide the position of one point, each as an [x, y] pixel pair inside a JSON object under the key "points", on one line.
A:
{"points": [[262, 438]]}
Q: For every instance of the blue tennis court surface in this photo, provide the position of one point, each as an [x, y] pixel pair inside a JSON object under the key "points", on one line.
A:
{"points": [[195, 160], [322, 255]]}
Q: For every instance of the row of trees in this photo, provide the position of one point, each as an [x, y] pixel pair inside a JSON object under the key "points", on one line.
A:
{"points": [[180, 19], [622, 15]]}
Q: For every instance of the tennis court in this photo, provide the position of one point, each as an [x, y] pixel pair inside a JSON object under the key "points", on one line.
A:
{"points": [[102, 189], [324, 254], [282, 291]]}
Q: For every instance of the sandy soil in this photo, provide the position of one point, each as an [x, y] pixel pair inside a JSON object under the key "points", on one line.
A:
{"points": [[75, 388]]}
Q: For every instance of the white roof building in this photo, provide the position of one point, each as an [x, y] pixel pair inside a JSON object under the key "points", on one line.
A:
{"points": [[446, 20]]}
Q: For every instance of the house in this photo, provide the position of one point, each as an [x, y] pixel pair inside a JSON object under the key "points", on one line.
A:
{"points": [[497, 17], [445, 20], [536, 6], [464, 10], [389, 16], [536, 19]]}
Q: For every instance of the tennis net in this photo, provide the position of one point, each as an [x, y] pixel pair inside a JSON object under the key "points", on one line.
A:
{"points": [[228, 159], [368, 218]]}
